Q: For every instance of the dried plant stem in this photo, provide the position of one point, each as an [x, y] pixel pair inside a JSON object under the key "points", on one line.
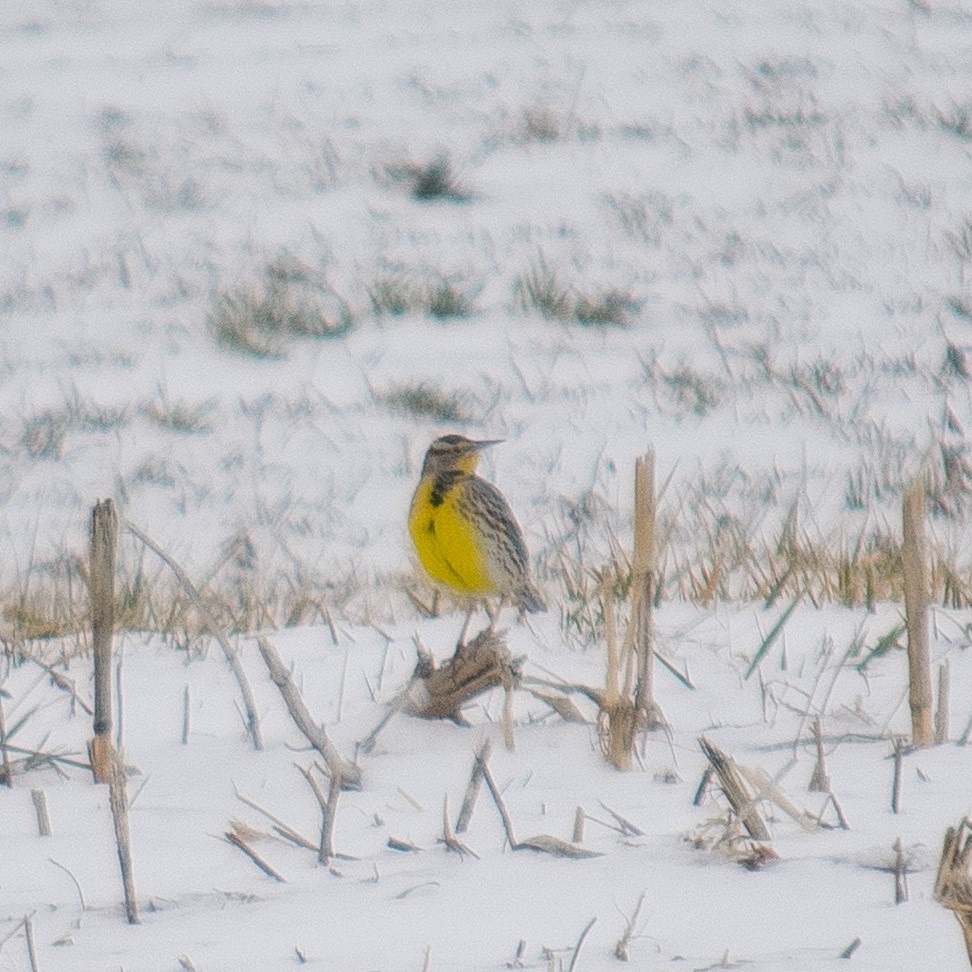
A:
{"points": [[326, 851], [39, 799], [74, 881], [942, 712], [500, 805], [896, 783], [768, 788], [953, 885], [347, 773], [450, 840], [329, 621], [914, 566], [210, 624], [683, 677], [580, 941], [606, 598], [838, 809], [328, 804], [441, 692], [851, 949], [283, 829], [627, 827], [64, 683], [237, 841], [344, 683], [474, 786], [5, 750], [31, 945], [967, 734], [119, 703], [541, 842], [101, 585], [643, 580], [703, 787], [118, 798], [820, 781], [562, 705], [735, 790], [186, 709], [900, 874], [621, 948], [577, 835]]}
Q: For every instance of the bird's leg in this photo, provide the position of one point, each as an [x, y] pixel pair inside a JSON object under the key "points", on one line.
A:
{"points": [[494, 615], [461, 643]]}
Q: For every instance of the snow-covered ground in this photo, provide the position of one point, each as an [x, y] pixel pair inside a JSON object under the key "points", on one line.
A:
{"points": [[737, 232], [381, 909]]}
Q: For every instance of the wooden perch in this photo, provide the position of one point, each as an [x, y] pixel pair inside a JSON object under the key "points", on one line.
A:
{"points": [[440, 693], [953, 885], [337, 765]]}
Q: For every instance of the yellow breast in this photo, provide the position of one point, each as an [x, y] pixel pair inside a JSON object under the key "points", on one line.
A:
{"points": [[446, 542]]}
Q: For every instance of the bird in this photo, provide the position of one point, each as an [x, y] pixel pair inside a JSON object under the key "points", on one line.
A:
{"points": [[464, 531]]}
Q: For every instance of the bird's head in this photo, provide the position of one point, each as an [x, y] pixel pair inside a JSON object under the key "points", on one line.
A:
{"points": [[454, 453]]}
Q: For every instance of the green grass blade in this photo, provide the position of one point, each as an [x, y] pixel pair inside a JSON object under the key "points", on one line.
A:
{"points": [[772, 636], [885, 643]]}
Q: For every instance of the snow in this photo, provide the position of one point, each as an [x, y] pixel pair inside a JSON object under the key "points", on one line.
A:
{"points": [[768, 183], [779, 188], [381, 908]]}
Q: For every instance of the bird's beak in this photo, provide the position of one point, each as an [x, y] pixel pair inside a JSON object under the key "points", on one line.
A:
{"points": [[485, 444]]}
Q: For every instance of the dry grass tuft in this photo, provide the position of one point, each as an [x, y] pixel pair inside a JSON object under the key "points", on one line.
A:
{"points": [[292, 301], [541, 290]]}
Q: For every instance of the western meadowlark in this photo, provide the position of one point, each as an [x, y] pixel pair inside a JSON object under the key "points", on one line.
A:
{"points": [[464, 531]]}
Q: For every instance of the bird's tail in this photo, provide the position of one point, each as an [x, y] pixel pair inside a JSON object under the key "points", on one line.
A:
{"points": [[528, 599]]}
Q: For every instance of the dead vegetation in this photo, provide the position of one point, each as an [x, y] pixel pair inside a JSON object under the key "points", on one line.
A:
{"points": [[292, 301], [626, 705], [706, 553], [953, 885]]}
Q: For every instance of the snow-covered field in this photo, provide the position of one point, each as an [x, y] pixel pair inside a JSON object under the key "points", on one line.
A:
{"points": [[770, 197], [737, 232], [381, 909]]}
